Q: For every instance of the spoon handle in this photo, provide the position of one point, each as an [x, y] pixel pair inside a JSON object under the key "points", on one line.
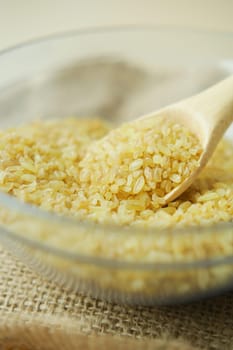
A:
{"points": [[215, 108]]}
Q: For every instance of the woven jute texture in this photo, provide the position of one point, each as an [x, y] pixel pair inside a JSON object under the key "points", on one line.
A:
{"points": [[36, 314]]}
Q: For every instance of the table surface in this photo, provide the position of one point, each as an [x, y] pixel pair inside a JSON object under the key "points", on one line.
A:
{"points": [[21, 20]]}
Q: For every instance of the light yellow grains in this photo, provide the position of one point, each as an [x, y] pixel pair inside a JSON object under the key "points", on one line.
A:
{"points": [[208, 197], [61, 166], [136, 164], [142, 157], [139, 184], [28, 178], [39, 161], [176, 178]]}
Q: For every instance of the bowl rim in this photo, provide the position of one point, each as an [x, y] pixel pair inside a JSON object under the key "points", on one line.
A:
{"points": [[28, 209], [96, 30]]}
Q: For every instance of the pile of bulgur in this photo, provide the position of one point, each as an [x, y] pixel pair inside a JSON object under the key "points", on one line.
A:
{"points": [[79, 168], [62, 166], [39, 162], [130, 171]]}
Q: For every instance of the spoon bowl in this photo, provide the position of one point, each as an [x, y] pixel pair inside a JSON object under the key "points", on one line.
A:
{"points": [[207, 115]]}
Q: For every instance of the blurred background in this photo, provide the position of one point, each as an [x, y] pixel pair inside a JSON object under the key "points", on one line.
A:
{"points": [[21, 20]]}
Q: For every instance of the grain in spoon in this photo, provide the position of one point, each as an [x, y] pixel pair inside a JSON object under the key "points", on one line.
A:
{"points": [[132, 162], [207, 115]]}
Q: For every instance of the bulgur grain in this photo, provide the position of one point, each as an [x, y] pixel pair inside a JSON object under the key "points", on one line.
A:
{"points": [[48, 163], [139, 158], [58, 165]]}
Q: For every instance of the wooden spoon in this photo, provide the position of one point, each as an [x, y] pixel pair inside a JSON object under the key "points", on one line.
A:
{"points": [[207, 115]]}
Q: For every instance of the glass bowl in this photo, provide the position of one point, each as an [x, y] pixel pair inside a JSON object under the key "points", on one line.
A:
{"points": [[117, 74]]}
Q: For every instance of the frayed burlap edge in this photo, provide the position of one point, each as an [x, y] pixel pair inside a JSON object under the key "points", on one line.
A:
{"points": [[49, 333]]}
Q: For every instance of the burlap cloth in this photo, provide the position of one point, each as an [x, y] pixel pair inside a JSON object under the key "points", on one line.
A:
{"points": [[36, 314]]}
